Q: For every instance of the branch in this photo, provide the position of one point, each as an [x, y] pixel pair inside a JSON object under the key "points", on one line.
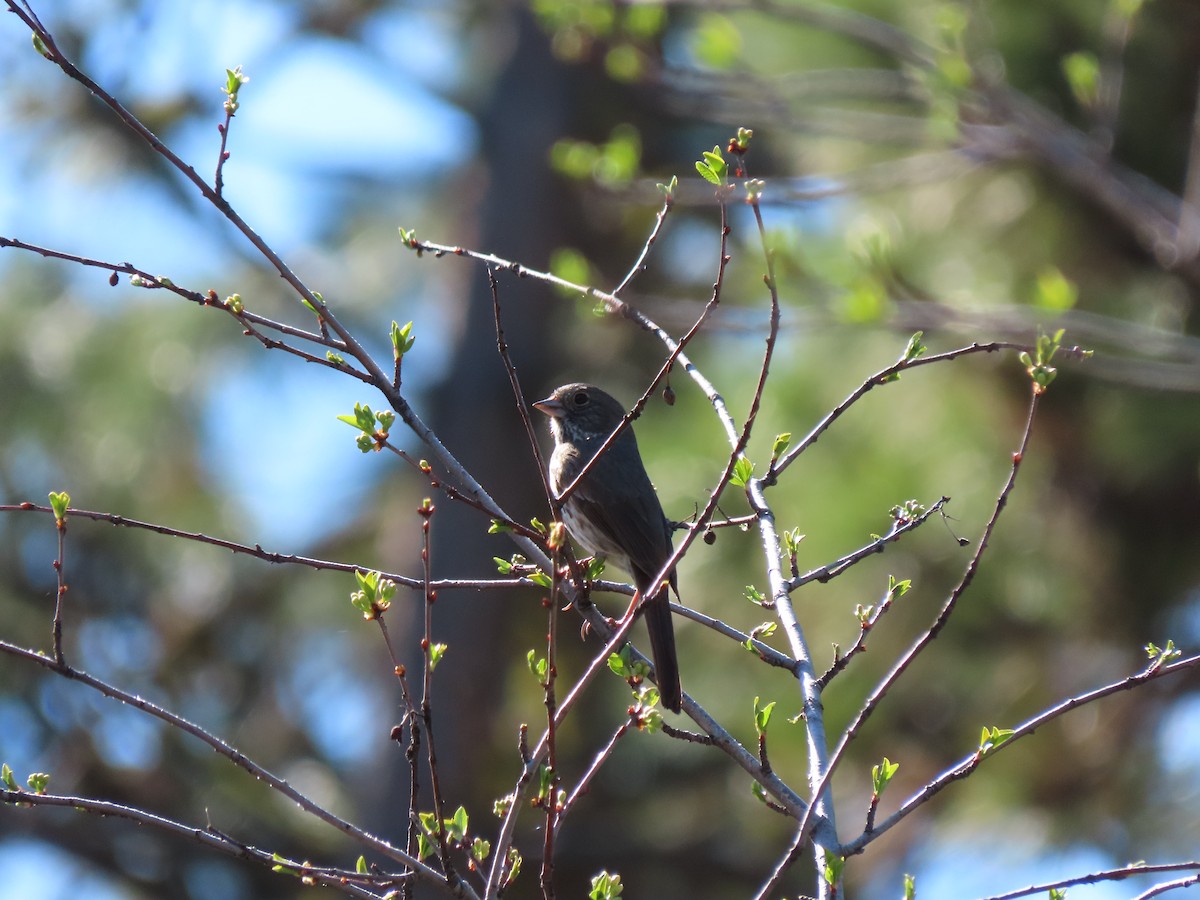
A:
{"points": [[887, 376], [456, 887], [872, 701], [344, 880], [963, 768], [900, 527], [1130, 871], [612, 304], [256, 551]]}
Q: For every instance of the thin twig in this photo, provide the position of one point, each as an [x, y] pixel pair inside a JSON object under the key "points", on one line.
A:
{"points": [[1118, 874], [640, 264], [841, 660], [612, 304], [968, 764], [241, 760], [886, 376], [585, 782], [676, 353], [820, 805], [60, 593], [275, 558], [426, 512], [1158, 889], [551, 701], [343, 880], [900, 527], [872, 701]]}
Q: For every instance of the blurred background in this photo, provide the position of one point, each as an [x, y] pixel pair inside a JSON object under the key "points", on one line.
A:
{"points": [[973, 171]]}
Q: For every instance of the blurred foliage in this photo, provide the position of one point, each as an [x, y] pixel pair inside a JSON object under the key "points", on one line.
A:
{"points": [[898, 197]]}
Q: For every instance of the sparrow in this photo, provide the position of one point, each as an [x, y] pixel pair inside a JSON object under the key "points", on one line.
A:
{"points": [[614, 511]]}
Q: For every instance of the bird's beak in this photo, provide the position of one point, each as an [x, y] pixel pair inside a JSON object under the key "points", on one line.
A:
{"points": [[551, 407]]}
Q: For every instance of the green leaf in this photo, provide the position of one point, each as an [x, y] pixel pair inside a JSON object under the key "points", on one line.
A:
{"points": [[759, 633], [650, 720], [281, 865], [668, 190], [318, 297], [59, 501], [834, 865], [707, 173], [363, 419], [234, 79], [742, 470], [1038, 367], [916, 347], [910, 887], [545, 781], [539, 667], [503, 566], [498, 527], [501, 806], [374, 594], [570, 265], [456, 825], [540, 578], [762, 716], [361, 866], [424, 846], [782, 441], [1054, 292], [791, 541], [437, 653], [906, 511], [429, 822], [1162, 655], [606, 886], [402, 339], [865, 300], [713, 167], [622, 664], [1082, 70], [754, 595], [480, 849], [40, 46], [882, 774], [993, 738], [716, 41], [515, 861], [6, 777], [643, 21]]}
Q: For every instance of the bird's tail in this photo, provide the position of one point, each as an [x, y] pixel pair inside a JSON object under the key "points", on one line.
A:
{"points": [[657, 611]]}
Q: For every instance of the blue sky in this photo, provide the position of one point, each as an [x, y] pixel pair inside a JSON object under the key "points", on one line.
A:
{"points": [[316, 112]]}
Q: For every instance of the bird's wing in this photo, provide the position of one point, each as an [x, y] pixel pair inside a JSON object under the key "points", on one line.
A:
{"points": [[628, 511]]}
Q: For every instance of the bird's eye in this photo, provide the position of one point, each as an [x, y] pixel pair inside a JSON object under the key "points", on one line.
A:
{"points": [[580, 398]]}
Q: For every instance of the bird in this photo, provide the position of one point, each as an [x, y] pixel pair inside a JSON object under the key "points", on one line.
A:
{"points": [[614, 511]]}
